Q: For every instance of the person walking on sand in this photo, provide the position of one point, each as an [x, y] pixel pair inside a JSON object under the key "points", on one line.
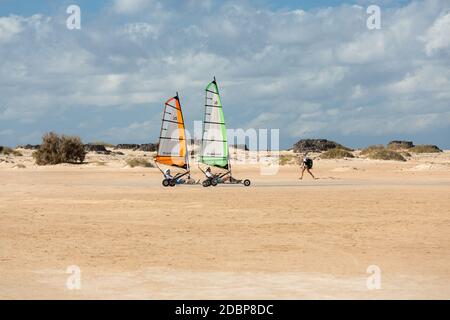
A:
{"points": [[307, 165]]}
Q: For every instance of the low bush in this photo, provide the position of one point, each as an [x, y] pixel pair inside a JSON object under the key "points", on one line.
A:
{"points": [[371, 149], [425, 148], [59, 149], [9, 151], [285, 159], [336, 154], [139, 162], [385, 154], [6, 150]]}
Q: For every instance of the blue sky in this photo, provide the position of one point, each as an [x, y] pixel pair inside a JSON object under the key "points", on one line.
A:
{"points": [[309, 68]]}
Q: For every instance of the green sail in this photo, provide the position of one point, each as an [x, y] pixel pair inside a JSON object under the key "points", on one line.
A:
{"points": [[214, 139]]}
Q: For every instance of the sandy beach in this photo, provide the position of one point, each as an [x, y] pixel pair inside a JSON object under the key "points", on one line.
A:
{"points": [[280, 238]]}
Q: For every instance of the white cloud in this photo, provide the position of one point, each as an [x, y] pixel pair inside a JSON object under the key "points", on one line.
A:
{"points": [[428, 78], [438, 35], [9, 27], [136, 131], [141, 31], [365, 49]]}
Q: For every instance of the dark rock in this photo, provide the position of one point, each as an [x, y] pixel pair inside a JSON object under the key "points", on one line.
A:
{"points": [[400, 144], [29, 146], [149, 147], [316, 145], [128, 146], [98, 148]]}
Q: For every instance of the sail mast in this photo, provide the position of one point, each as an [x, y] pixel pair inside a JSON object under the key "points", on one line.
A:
{"points": [[185, 140]]}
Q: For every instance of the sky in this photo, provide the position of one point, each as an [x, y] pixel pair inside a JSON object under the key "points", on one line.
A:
{"points": [[312, 69]]}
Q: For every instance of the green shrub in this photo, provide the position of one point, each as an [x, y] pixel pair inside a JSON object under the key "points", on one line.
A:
{"points": [[8, 151], [72, 149], [139, 162], [285, 159], [336, 154], [405, 153], [371, 149], [386, 155], [425, 148], [55, 149], [17, 153]]}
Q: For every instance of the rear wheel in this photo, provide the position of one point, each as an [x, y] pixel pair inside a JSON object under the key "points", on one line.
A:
{"points": [[172, 183], [247, 182], [165, 183], [214, 182], [206, 183]]}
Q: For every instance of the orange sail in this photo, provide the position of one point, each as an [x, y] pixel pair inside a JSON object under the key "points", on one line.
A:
{"points": [[172, 150]]}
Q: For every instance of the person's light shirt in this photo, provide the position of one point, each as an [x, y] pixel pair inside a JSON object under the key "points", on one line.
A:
{"points": [[167, 176]]}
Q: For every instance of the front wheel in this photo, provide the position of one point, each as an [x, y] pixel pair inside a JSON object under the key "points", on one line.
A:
{"points": [[206, 183], [247, 182], [214, 182], [172, 183], [165, 183]]}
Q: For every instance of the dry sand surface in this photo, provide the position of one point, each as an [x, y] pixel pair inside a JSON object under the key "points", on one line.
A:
{"points": [[280, 238]]}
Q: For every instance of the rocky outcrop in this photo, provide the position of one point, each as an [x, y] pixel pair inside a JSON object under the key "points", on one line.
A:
{"points": [[148, 147], [316, 145], [29, 146], [425, 148], [97, 148], [400, 144], [128, 146]]}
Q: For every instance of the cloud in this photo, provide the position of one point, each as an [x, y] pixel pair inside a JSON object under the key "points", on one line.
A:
{"points": [[9, 27], [136, 131], [310, 73], [438, 35]]}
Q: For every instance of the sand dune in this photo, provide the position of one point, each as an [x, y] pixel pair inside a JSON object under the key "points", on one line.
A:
{"points": [[279, 238]]}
